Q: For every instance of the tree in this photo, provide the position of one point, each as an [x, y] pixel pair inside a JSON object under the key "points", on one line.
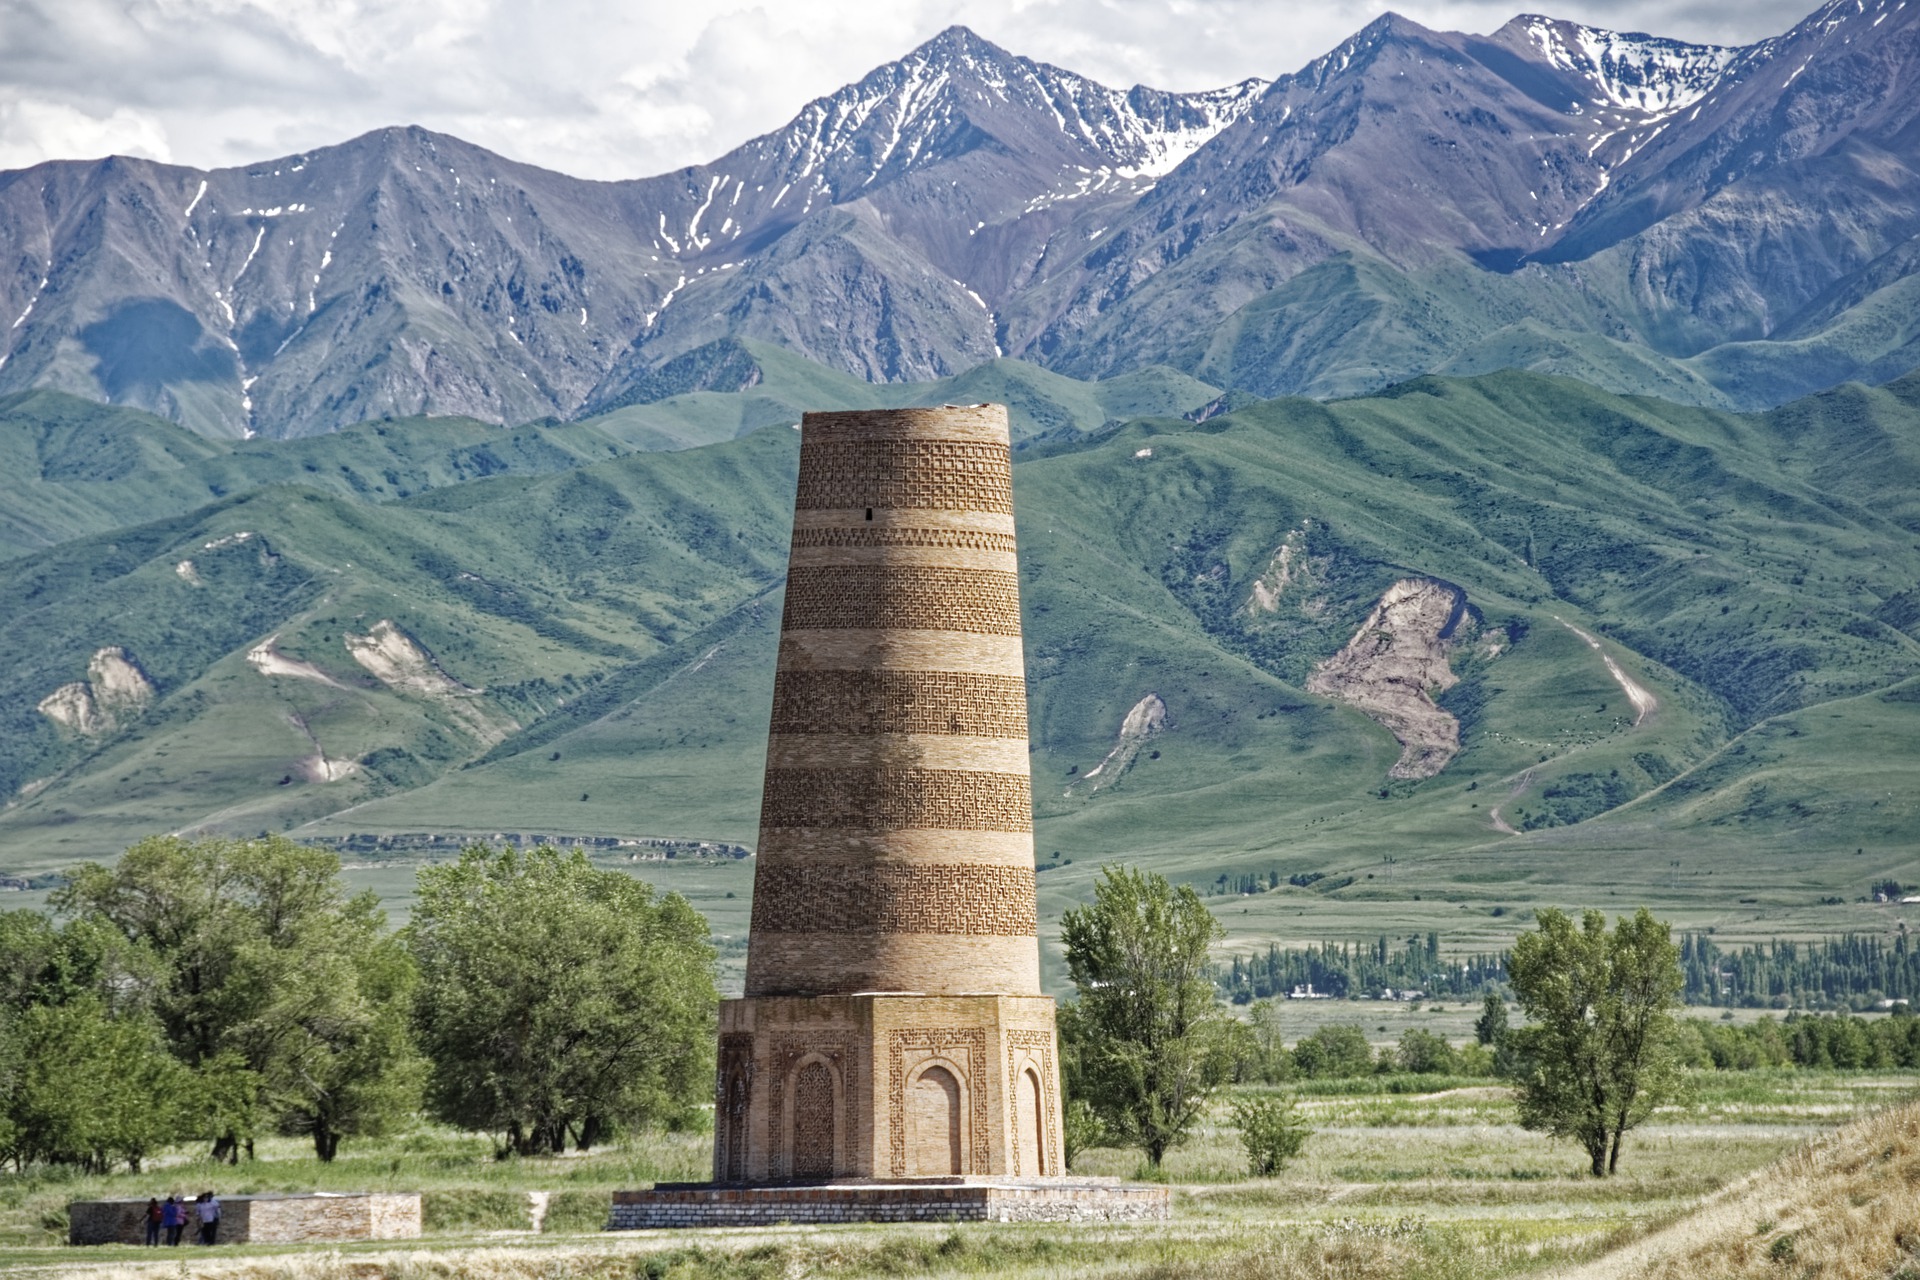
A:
{"points": [[286, 997], [1422, 1053], [91, 1088], [1081, 1129], [1334, 1052], [556, 998], [1261, 1053], [1146, 1040], [340, 1059], [85, 1076], [1491, 1025], [1599, 1054], [1272, 1131]]}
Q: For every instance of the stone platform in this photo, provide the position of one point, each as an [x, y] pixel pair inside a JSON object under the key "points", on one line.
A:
{"points": [[260, 1219], [917, 1200]]}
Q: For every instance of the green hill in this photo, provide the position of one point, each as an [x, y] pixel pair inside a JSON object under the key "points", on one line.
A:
{"points": [[1678, 648]]}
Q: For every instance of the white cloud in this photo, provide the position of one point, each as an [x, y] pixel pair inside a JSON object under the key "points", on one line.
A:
{"points": [[33, 129], [621, 88]]}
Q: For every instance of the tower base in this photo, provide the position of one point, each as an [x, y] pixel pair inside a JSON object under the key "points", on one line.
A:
{"points": [[886, 1087], [684, 1205]]}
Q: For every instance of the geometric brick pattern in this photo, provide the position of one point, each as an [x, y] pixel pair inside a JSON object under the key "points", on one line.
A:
{"points": [[883, 701], [942, 475], [902, 597], [981, 901], [951, 539], [813, 1145], [784, 1051], [897, 799]]}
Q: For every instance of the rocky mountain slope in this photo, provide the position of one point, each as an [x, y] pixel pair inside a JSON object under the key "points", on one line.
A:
{"points": [[1714, 225]]}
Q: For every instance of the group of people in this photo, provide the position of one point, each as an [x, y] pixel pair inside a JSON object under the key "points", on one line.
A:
{"points": [[171, 1217]]}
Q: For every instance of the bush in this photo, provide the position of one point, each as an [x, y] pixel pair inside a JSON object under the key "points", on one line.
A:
{"points": [[1334, 1052], [1271, 1129], [578, 1211], [1422, 1053], [1083, 1129]]}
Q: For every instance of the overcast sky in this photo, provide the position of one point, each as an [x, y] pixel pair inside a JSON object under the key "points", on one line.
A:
{"points": [[606, 89]]}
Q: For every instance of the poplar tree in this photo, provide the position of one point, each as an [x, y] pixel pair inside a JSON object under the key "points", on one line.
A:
{"points": [[1599, 1052], [1146, 1041]]}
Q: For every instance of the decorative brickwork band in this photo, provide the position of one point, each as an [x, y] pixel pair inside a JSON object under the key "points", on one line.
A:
{"points": [[897, 800], [906, 597], [982, 901], [940, 475], [883, 701], [955, 539]]}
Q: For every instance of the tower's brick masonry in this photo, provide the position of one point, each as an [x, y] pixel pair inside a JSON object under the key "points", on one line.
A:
{"points": [[893, 1024], [893, 1045]]}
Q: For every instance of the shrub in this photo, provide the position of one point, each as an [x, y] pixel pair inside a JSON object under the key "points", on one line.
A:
{"points": [[1271, 1129]]}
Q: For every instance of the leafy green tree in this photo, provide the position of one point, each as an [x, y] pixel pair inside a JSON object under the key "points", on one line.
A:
{"points": [[556, 998], [286, 997], [1422, 1053], [1337, 1051], [1272, 1131], [1491, 1025], [1260, 1053], [336, 1043], [91, 1088], [1600, 1051], [1146, 1039]]}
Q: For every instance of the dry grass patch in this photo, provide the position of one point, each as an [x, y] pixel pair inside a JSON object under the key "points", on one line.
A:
{"points": [[1844, 1207]]}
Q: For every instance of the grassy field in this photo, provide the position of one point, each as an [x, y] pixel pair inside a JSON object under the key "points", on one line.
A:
{"points": [[1436, 1183]]}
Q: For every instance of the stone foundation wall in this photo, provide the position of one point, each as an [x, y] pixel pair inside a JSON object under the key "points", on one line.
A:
{"points": [[265, 1219], [768, 1206]]}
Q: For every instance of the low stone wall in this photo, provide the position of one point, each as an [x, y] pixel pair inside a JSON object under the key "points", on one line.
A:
{"points": [[989, 1202], [262, 1219]]}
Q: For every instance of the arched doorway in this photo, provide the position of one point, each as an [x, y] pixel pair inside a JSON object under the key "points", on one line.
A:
{"points": [[1030, 1120], [933, 1124], [813, 1122]]}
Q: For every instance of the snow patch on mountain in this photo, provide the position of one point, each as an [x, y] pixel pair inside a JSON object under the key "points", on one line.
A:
{"points": [[1642, 73]]}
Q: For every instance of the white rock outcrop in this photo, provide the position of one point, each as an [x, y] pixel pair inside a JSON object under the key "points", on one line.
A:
{"points": [[1393, 667], [391, 657], [115, 689], [1146, 719]]}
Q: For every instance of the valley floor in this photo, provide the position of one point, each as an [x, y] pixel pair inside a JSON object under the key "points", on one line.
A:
{"points": [[1437, 1184]]}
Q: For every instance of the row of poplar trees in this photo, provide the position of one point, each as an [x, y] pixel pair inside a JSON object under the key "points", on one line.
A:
{"points": [[218, 990]]}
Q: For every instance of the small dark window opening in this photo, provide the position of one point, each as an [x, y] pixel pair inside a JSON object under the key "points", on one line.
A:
{"points": [[869, 513]]}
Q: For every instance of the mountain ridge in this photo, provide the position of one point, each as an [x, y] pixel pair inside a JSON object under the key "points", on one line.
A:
{"points": [[1659, 207]]}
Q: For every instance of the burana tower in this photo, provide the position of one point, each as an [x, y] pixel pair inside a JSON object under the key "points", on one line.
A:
{"points": [[893, 1056]]}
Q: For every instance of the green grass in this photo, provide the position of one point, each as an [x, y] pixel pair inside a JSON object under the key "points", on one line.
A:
{"points": [[1432, 1184]]}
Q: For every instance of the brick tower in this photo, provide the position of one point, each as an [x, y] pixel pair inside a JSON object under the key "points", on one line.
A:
{"points": [[893, 1024], [893, 1058]]}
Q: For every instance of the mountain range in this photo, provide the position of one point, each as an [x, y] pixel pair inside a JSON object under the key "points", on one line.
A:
{"points": [[1729, 227]]}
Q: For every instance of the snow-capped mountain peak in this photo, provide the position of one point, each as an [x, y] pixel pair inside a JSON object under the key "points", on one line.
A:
{"points": [[897, 117]]}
